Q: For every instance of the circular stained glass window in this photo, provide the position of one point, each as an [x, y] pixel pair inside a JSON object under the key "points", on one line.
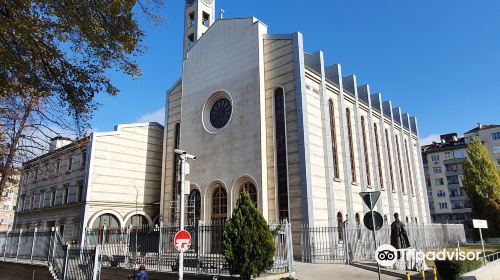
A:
{"points": [[220, 113]]}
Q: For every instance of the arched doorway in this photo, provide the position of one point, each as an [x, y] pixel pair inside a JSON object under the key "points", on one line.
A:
{"points": [[250, 188], [194, 207]]}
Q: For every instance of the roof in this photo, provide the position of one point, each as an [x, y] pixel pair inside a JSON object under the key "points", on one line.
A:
{"points": [[446, 146], [483, 127]]}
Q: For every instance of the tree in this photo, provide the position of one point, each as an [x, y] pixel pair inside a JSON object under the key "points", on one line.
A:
{"points": [[54, 60], [482, 185], [248, 240]]}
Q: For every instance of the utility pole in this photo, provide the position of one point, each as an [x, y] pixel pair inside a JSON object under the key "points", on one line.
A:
{"points": [[183, 157]]}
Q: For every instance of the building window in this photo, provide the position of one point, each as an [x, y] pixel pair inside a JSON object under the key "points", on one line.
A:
{"points": [[106, 220], [206, 20], [495, 136], [365, 147], [70, 164], [251, 190], [429, 193], [79, 191], [401, 176], [137, 221], [351, 145], [194, 204], [379, 160], [340, 225], [333, 135], [53, 198], [281, 153], [498, 161], [41, 200], [441, 193], [35, 174], [65, 197], [409, 168], [191, 19], [390, 159], [496, 149], [32, 201], [191, 41], [438, 182], [460, 153], [447, 155], [83, 159], [436, 169], [219, 204], [220, 113], [452, 179], [443, 205], [175, 178], [435, 158], [57, 166]]}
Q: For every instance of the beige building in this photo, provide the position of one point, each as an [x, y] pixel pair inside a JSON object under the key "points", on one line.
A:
{"points": [[262, 114], [444, 164], [8, 201], [107, 179]]}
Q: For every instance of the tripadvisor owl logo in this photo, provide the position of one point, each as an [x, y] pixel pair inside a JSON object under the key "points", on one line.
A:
{"points": [[387, 255]]}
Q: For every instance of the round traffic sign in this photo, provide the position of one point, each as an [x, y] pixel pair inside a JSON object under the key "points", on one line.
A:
{"points": [[367, 220], [182, 241]]}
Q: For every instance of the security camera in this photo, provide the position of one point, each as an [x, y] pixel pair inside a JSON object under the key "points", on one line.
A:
{"points": [[179, 151], [190, 157]]}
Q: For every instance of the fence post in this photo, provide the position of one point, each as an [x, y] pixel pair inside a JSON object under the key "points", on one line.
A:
{"points": [[96, 262], [54, 243], [160, 245], [33, 245], [18, 243], [127, 240], [289, 246], [7, 239], [66, 257]]}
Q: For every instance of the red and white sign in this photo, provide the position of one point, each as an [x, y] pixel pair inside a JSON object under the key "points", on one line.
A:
{"points": [[182, 241]]}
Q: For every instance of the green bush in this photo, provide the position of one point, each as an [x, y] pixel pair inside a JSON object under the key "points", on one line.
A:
{"points": [[248, 241], [450, 269]]}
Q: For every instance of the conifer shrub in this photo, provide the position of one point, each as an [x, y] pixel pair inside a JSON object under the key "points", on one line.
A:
{"points": [[452, 269], [248, 240]]}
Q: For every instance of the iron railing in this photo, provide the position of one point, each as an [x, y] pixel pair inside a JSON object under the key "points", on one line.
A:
{"points": [[350, 243]]}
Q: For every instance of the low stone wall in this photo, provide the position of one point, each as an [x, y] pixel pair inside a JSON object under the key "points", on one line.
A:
{"points": [[21, 271], [488, 272]]}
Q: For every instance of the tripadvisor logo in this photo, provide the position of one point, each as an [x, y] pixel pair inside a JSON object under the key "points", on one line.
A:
{"points": [[387, 255]]}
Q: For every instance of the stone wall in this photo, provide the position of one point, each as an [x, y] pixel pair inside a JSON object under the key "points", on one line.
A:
{"points": [[18, 271]]}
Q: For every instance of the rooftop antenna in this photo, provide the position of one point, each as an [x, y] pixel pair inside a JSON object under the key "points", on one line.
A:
{"points": [[221, 13]]}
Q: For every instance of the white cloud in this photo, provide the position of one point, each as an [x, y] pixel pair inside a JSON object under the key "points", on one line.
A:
{"points": [[429, 139], [156, 116]]}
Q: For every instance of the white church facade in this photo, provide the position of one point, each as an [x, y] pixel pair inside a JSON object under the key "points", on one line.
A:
{"points": [[262, 114]]}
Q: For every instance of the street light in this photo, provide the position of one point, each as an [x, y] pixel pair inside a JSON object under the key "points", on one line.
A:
{"points": [[184, 157]]}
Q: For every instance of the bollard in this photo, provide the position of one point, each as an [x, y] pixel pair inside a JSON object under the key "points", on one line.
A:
{"points": [[423, 274], [407, 275], [435, 273]]}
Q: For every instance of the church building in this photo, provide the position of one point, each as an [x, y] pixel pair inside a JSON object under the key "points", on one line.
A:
{"points": [[261, 114]]}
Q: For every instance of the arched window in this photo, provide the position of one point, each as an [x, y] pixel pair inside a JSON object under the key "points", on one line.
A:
{"points": [[219, 204], [400, 166], [340, 225], [137, 221], [333, 135], [281, 153], [351, 145], [365, 147], [379, 160], [194, 206], [106, 220], [409, 168], [251, 190], [389, 155]]}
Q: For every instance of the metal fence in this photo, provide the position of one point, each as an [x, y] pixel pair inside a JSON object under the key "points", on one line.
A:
{"points": [[154, 247], [65, 262], [350, 243]]}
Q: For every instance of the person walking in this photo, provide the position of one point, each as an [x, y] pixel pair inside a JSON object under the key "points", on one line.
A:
{"points": [[141, 274]]}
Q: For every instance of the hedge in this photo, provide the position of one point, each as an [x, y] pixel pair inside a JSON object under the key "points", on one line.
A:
{"points": [[452, 269]]}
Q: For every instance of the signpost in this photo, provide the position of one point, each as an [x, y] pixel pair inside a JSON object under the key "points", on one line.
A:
{"points": [[370, 199], [480, 224]]}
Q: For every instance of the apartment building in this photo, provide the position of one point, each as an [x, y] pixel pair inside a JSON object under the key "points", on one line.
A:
{"points": [[8, 200]]}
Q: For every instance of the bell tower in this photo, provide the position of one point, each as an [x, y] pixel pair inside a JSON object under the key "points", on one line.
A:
{"points": [[199, 15]]}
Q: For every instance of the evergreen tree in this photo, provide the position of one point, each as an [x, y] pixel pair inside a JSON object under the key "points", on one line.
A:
{"points": [[248, 240], [482, 185]]}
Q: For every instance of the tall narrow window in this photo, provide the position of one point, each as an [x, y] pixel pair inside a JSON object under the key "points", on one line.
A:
{"points": [[389, 155], [333, 135], [65, 197], [365, 147], [251, 190], [194, 203], [175, 179], [53, 197], [351, 145], [409, 168], [219, 205], [400, 166], [379, 160], [281, 153], [340, 226]]}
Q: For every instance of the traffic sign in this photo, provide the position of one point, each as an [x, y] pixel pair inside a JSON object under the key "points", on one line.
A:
{"points": [[479, 223], [182, 241], [370, 198], [377, 218]]}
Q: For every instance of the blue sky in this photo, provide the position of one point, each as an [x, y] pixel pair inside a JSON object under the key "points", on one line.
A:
{"points": [[437, 60]]}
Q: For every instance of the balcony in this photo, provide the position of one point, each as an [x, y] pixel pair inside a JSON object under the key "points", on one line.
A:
{"points": [[455, 160], [454, 172], [461, 210], [458, 197]]}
